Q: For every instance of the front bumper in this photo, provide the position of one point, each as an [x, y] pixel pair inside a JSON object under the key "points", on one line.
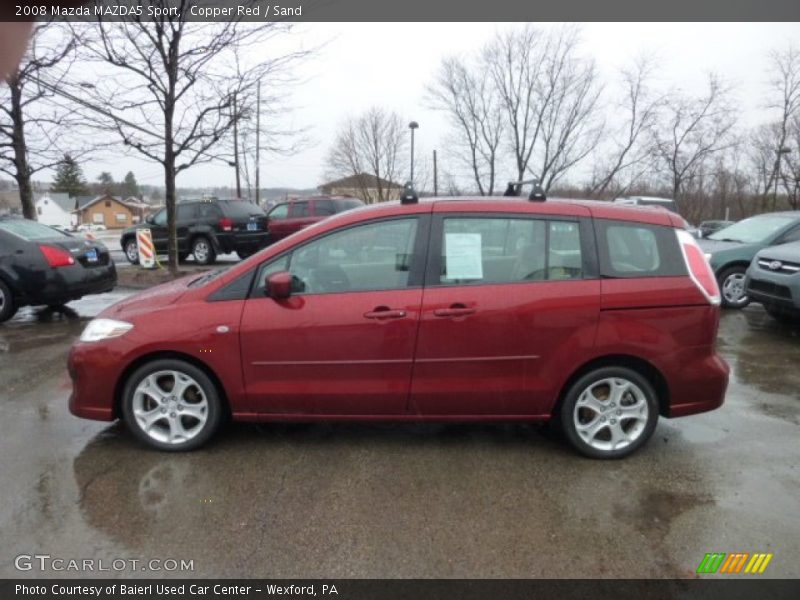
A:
{"points": [[773, 289], [95, 368]]}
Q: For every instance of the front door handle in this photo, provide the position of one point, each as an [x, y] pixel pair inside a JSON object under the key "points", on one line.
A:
{"points": [[456, 310], [384, 312]]}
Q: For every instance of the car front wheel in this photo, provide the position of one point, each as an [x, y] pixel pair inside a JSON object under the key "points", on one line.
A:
{"points": [[731, 284], [609, 412], [203, 251], [171, 405], [7, 306], [132, 252]]}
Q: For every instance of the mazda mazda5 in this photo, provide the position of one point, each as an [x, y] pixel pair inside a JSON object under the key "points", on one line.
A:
{"points": [[597, 316]]}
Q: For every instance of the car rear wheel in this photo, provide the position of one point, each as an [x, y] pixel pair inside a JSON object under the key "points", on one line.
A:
{"points": [[171, 405], [244, 254], [7, 306], [609, 412], [203, 251], [132, 251], [731, 284]]}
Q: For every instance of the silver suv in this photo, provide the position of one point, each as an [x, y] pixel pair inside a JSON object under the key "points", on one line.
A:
{"points": [[773, 279]]}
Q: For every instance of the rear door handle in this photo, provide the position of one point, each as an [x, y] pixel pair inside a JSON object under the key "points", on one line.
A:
{"points": [[384, 312], [457, 310]]}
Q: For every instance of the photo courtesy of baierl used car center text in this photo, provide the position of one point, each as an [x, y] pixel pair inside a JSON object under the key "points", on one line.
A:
{"points": [[365, 300]]}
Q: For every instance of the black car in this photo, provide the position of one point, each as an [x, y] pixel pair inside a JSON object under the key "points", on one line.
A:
{"points": [[41, 265], [205, 228]]}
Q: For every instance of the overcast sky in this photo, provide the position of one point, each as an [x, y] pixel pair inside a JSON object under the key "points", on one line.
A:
{"points": [[389, 64]]}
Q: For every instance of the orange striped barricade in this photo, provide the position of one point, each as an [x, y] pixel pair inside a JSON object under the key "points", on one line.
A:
{"points": [[147, 250]]}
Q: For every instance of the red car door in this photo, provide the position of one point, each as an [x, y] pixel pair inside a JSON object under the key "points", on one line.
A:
{"points": [[343, 342], [509, 307]]}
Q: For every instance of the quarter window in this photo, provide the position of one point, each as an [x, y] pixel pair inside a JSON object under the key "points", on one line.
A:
{"points": [[376, 256], [638, 250], [505, 250]]}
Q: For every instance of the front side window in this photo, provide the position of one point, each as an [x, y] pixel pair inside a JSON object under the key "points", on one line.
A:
{"points": [[506, 250], [375, 256], [279, 212], [161, 218], [185, 212]]}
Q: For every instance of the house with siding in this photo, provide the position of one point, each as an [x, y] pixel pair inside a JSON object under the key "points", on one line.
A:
{"points": [[106, 210], [55, 209]]}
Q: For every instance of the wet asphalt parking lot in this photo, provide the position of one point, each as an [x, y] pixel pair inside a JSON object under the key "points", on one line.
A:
{"points": [[347, 500]]}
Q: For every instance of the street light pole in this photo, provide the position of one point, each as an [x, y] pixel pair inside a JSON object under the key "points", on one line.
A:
{"points": [[258, 142], [412, 126]]}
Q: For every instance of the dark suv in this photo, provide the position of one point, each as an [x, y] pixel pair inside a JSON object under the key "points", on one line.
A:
{"points": [[288, 217], [205, 229]]}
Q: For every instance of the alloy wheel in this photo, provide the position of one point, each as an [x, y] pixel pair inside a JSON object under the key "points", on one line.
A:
{"points": [[170, 407], [132, 250], [611, 414], [733, 289], [200, 251]]}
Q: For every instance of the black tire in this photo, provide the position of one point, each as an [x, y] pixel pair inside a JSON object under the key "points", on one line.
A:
{"points": [[203, 251], [738, 272], [641, 428], [204, 431], [131, 251], [182, 256], [242, 254], [8, 308]]}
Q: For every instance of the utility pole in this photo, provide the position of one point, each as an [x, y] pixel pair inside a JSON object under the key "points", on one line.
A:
{"points": [[236, 147], [435, 176], [258, 142], [412, 126]]}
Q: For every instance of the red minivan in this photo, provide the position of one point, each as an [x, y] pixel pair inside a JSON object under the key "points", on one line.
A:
{"points": [[598, 315]]}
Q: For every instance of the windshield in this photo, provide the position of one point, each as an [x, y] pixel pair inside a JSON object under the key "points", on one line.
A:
{"points": [[753, 230], [31, 230]]}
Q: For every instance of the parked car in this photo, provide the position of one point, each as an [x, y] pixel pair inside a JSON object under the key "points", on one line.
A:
{"points": [[706, 228], [773, 279], [41, 265], [731, 250], [289, 217], [205, 228], [90, 227], [600, 316], [667, 203]]}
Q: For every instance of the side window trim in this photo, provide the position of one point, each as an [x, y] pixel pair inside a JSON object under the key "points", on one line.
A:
{"points": [[416, 272], [434, 266]]}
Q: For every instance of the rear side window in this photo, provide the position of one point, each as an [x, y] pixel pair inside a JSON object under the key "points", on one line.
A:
{"points": [[299, 210], [505, 250], [324, 208], [343, 204], [207, 210], [638, 250]]}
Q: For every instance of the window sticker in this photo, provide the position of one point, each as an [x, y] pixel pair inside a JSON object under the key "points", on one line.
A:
{"points": [[463, 256]]}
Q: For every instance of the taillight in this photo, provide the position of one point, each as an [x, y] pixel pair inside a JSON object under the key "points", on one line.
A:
{"points": [[698, 267], [56, 257], [226, 224]]}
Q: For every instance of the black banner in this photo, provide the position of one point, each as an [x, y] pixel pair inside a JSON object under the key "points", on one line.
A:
{"points": [[394, 589], [406, 11]]}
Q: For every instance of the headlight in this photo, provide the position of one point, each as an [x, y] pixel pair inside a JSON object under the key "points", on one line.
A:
{"points": [[103, 329], [708, 256]]}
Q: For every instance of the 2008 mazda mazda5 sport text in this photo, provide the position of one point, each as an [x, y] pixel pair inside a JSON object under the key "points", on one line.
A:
{"points": [[600, 316]]}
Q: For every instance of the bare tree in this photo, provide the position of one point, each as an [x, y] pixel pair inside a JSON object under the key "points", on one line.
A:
{"points": [[693, 130], [466, 92], [371, 148], [790, 174], [631, 154], [171, 84], [32, 128], [785, 85], [549, 96]]}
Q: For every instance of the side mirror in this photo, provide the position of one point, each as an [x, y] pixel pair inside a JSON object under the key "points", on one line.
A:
{"points": [[279, 285]]}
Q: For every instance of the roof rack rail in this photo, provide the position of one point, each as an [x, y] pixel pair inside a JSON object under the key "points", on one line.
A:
{"points": [[409, 195], [537, 192]]}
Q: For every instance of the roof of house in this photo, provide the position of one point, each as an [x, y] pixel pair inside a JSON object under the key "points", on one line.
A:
{"points": [[85, 202], [365, 180], [60, 199]]}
